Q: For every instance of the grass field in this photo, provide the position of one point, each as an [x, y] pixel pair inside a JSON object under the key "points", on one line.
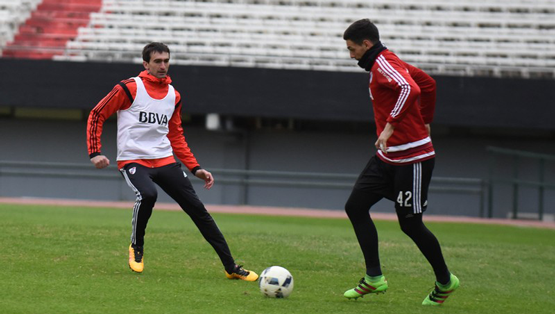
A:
{"points": [[74, 260]]}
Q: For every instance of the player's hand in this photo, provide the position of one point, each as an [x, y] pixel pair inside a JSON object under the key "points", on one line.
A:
{"points": [[100, 161], [206, 176], [428, 129], [381, 143]]}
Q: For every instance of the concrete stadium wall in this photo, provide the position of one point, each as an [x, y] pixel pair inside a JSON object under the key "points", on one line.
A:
{"points": [[38, 140], [252, 92]]}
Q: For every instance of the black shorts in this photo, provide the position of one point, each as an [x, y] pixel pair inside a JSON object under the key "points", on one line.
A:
{"points": [[406, 185]]}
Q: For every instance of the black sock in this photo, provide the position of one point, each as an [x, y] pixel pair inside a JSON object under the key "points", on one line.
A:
{"points": [[230, 268]]}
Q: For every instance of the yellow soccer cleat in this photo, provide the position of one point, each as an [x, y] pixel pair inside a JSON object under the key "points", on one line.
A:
{"points": [[240, 273], [136, 262]]}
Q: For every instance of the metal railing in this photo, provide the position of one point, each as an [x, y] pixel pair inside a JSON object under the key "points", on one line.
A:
{"points": [[517, 183], [239, 177]]}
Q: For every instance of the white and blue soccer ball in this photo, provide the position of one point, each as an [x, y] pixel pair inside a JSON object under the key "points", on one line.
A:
{"points": [[276, 282]]}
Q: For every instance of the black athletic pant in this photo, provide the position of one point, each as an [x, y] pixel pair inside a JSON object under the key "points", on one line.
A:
{"points": [[176, 184], [407, 186]]}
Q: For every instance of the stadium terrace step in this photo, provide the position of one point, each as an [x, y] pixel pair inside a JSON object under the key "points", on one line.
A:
{"points": [[27, 54], [70, 5], [56, 22], [28, 36], [44, 42], [60, 15], [89, 2], [46, 29]]}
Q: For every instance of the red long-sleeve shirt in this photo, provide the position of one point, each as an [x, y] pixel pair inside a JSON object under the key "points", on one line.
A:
{"points": [[121, 98], [404, 96]]}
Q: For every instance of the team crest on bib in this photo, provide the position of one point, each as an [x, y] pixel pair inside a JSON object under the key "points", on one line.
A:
{"points": [[133, 170]]}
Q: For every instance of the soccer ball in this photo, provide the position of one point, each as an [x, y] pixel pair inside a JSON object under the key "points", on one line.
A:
{"points": [[276, 282]]}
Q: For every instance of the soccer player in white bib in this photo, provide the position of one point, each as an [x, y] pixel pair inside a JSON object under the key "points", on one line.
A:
{"points": [[149, 134]]}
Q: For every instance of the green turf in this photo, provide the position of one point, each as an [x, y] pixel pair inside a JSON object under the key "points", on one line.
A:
{"points": [[74, 260]]}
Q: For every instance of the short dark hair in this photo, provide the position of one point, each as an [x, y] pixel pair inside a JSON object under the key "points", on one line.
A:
{"points": [[362, 30], [154, 47]]}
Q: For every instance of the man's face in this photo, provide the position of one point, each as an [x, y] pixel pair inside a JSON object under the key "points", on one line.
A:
{"points": [[357, 51], [158, 65]]}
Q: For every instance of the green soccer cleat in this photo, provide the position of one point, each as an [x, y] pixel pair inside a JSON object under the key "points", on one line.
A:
{"points": [[439, 295], [364, 287]]}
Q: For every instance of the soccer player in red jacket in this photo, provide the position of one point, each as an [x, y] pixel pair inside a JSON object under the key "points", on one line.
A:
{"points": [[149, 133], [403, 99]]}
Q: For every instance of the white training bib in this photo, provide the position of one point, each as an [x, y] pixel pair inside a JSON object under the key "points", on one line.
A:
{"points": [[143, 127]]}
